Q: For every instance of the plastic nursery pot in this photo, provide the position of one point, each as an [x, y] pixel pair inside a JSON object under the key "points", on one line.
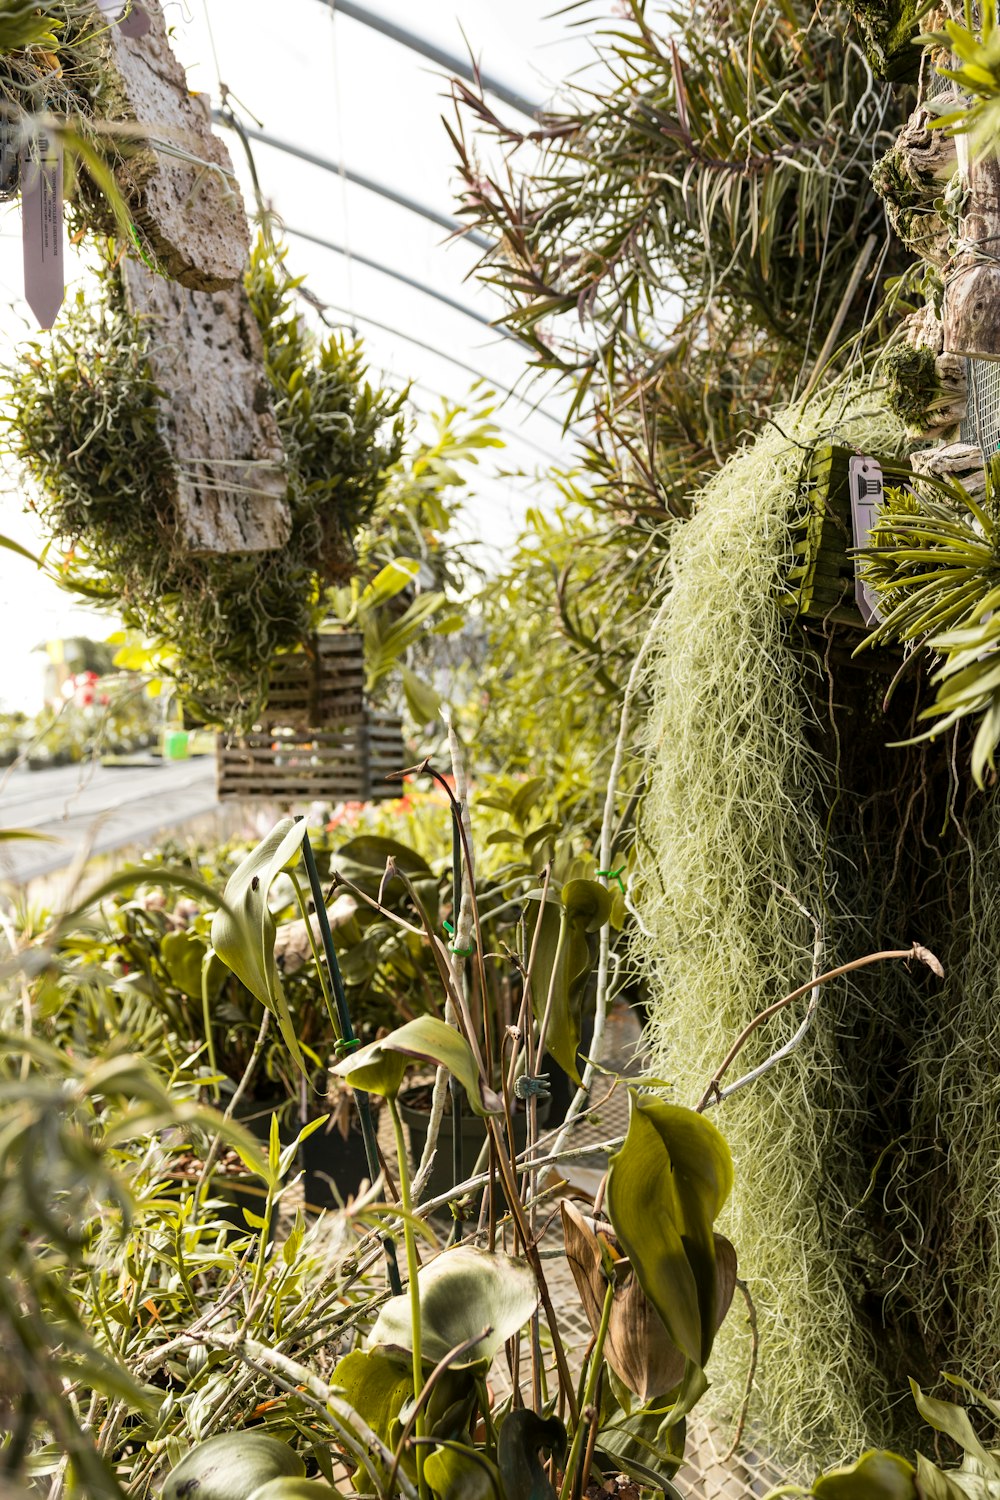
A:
{"points": [[414, 1109], [335, 1165], [175, 744]]}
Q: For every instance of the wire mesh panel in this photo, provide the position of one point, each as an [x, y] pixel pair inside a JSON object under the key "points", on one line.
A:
{"points": [[982, 420]]}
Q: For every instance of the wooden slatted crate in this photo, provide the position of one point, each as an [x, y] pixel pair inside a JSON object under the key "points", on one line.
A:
{"points": [[320, 684], [345, 762], [317, 740]]}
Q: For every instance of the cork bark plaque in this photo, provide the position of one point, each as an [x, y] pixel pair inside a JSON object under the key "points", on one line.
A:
{"points": [[215, 415], [179, 187]]}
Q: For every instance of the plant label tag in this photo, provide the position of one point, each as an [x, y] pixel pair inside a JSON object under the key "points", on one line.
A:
{"points": [[42, 225], [134, 25], [864, 476]]}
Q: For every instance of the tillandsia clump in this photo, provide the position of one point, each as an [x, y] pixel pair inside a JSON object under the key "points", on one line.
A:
{"points": [[83, 423], [49, 77], [935, 564], [882, 1475]]}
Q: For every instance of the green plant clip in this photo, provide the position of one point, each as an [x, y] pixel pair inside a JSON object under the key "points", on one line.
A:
{"points": [[344, 1046], [610, 875], [448, 928], [463, 952]]}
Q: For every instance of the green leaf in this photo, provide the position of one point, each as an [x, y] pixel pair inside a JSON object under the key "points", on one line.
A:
{"points": [[646, 1444], [587, 903], [389, 582], [6, 542], [128, 879], [231, 1466], [183, 954], [456, 1472], [243, 933], [463, 1292], [564, 952], [294, 1489], [522, 1435], [544, 832], [936, 1484], [666, 1187], [422, 700], [379, 1068], [877, 1475], [526, 797], [363, 861], [953, 1420], [379, 1388]]}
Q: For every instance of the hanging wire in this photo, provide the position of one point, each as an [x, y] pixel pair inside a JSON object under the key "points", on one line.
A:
{"points": [[341, 157], [221, 87]]}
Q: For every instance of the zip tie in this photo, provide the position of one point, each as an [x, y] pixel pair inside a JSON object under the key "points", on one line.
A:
{"points": [[460, 952], [344, 1047], [610, 875]]}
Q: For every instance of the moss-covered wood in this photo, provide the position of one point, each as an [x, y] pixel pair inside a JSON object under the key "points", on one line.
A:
{"points": [[214, 413], [927, 391], [888, 32], [971, 314], [914, 179], [87, 424]]}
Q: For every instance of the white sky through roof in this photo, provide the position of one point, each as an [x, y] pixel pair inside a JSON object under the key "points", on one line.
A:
{"points": [[334, 87]]}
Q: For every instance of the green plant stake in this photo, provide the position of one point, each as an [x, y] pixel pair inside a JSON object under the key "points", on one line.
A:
{"points": [[455, 1088], [348, 1042]]}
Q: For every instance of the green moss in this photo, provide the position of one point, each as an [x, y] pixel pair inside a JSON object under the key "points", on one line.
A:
{"points": [[83, 423], [913, 390], [888, 32]]}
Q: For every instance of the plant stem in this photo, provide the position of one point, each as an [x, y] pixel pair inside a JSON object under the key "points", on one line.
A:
{"points": [[887, 955], [412, 1268], [265, 1240], [314, 947], [206, 1017], [593, 1376], [346, 1034], [238, 1093]]}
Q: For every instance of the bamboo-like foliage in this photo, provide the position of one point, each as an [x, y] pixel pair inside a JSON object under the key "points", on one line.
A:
{"points": [[688, 237]]}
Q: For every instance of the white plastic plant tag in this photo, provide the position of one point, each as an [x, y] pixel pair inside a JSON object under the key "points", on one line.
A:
{"points": [[42, 225], [134, 25], [864, 477]]}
